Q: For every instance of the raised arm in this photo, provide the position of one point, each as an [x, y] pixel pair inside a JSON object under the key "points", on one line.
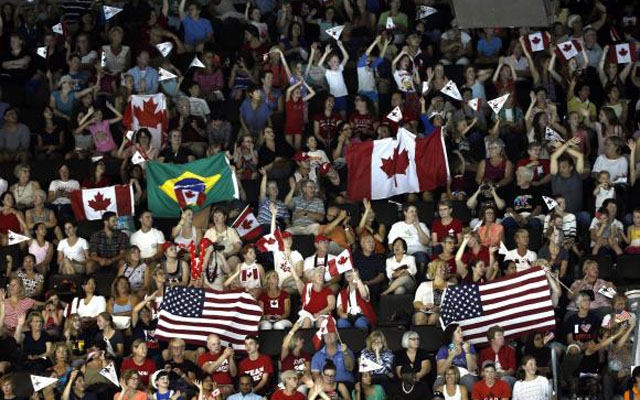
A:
{"points": [[345, 54], [118, 115], [535, 75], [601, 72], [181, 9]]}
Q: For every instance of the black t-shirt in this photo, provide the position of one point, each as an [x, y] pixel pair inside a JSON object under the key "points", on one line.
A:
{"points": [[402, 360], [147, 333], [31, 347], [525, 200], [180, 157], [583, 329], [369, 267]]}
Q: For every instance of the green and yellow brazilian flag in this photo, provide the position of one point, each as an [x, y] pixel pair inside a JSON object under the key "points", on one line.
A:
{"points": [[171, 187]]}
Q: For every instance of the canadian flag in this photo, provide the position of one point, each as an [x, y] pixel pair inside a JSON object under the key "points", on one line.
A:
{"points": [[92, 203], [622, 53], [247, 225], [148, 111], [569, 49], [537, 41], [271, 242], [383, 168], [328, 325], [341, 264]]}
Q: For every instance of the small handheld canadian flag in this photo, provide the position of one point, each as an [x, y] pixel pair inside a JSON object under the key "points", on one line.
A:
{"points": [[474, 104], [15, 238], [395, 115], [328, 325], [110, 12], [451, 90], [341, 264], [568, 49], [624, 53], [271, 242], [41, 382], [497, 104], [247, 225], [367, 365], [536, 41], [335, 32], [109, 372], [42, 51], [196, 63]]}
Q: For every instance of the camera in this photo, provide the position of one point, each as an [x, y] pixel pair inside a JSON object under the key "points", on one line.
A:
{"points": [[218, 247], [484, 187]]}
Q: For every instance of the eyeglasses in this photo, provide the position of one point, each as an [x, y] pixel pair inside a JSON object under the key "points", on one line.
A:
{"points": [[414, 338], [330, 375]]}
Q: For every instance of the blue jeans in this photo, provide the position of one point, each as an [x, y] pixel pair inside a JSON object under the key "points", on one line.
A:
{"points": [[360, 322]]}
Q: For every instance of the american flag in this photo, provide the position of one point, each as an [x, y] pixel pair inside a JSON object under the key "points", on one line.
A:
{"points": [[193, 314], [519, 303]]}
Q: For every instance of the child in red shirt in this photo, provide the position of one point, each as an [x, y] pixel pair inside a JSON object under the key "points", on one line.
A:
{"points": [[294, 113]]}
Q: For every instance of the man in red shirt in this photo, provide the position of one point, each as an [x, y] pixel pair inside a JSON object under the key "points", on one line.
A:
{"points": [[256, 365], [490, 388], [502, 356], [219, 363]]}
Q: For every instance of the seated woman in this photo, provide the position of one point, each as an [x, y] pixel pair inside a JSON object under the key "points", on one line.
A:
{"points": [[32, 280], [15, 305], [456, 352], [73, 252], [41, 249], [88, 306], [41, 214], [452, 389], [24, 189], [591, 282], [413, 363], [177, 270], [136, 272], [318, 301], [275, 304], [426, 302], [35, 342], [378, 351], [109, 335], [292, 355], [401, 269], [129, 383], [61, 365], [249, 275], [122, 301], [139, 362]]}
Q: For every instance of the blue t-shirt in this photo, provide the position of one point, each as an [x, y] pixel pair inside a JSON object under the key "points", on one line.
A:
{"points": [[196, 31], [490, 48], [320, 359], [460, 360]]}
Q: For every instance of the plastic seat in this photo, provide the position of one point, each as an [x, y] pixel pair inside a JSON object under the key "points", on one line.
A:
{"points": [[304, 244], [395, 309], [271, 342], [386, 213], [393, 335]]}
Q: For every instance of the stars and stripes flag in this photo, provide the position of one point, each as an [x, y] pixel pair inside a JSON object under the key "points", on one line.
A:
{"points": [[193, 314], [519, 303]]}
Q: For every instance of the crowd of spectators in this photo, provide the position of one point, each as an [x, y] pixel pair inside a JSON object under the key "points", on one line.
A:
{"points": [[285, 102]]}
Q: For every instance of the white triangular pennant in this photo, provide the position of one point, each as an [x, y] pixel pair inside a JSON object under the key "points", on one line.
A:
{"points": [[551, 135], [103, 59], [96, 158], [425, 87], [42, 51], [109, 372], [623, 53], [335, 32], [536, 41], [451, 90], [551, 203], [41, 382], [478, 225], [390, 24], [110, 12], [473, 103], [367, 365], [15, 238], [196, 63], [57, 28], [164, 48], [129, 135], [138, 158], [497, 103], [568, 49], [164, 75], [503, 249], [395, 115], [425, 11]]}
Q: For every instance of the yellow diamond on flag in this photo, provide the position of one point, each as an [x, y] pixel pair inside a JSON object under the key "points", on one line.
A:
{"points": [[188, 187]]}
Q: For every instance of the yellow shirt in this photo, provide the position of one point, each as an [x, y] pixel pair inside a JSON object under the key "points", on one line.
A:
{"points": [[575, 104]]}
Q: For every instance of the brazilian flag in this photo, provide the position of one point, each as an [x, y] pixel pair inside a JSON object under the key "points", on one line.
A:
{"points": [[171, 187]]}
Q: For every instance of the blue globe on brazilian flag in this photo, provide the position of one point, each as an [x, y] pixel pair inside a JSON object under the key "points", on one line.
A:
{"points": [[172, 187]]}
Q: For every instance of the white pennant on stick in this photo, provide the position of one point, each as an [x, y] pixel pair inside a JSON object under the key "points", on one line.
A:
{"points": [[57, 28], [109, 372], [335, 32], [196, 63], [110, 12], [15, 238], [451, 90], [129, 135], [551, 135], [41, 382], [503, 249], [395, 115], [103, 59], [164, 75], [425, 87], [164, 48], [96, 158], [425, 11], [497, 103], [138, 158], [473, 103], [367, 365], [42, 51], [390, 24], [551, 203]]}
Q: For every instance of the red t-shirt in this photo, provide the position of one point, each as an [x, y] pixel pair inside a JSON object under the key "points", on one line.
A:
{"points": [[281, 395], [539, 171], [469, 256], [295, 363], [328, 125], [318, 300], [506, 356], [443, 230], [273, 306], [221, 375], [256, 368], [499, 390], [145, 370], [452, 267], [294, 123], [362, 125]]}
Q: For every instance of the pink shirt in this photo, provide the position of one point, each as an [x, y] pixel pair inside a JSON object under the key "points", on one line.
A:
{"points": [[102, 137]]}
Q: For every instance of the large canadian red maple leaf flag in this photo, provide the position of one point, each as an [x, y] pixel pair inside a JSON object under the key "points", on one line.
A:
{"points": [[383, 168], [148, 111], [92, 203]]}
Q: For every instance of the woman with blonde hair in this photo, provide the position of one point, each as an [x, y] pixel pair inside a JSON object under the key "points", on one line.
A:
{"points": [[275, 304], [378, 351], [15, 304], [426, 302], [122, 301], [61, 365], [25, 188], [136, 271], [452, 389]]}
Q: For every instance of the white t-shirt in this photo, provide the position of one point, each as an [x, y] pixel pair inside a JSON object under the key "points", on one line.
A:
{"points": [[618, 168], [3, 186], [284, 265], [522, 262], [147, 242], [407, 260], [96, 306], [537, 389], [313, 262], [366, 79], [67, 186], [410, 235], [335, 79], [75, 252], [404, 81]]}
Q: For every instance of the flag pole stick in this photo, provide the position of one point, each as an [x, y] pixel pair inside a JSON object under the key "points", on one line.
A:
{"points": [[559, 281]]}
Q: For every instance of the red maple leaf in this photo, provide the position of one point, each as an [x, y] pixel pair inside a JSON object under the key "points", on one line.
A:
{"points": [[99, 202], [567, 47], [623, 52], [189, 194], [342, 260], [147, 115], [396, 164], [536, 40], [246, 224], [270, 241]]}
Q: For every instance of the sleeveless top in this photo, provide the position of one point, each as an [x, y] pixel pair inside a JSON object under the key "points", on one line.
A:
{"points": [[41, 219], [118, 308], [175, 277], [250, 276], [9, 222], [494, 174], [181, 240], [39, 252], [23, 194], [64, 107], [135, 275], [456, 396]]}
